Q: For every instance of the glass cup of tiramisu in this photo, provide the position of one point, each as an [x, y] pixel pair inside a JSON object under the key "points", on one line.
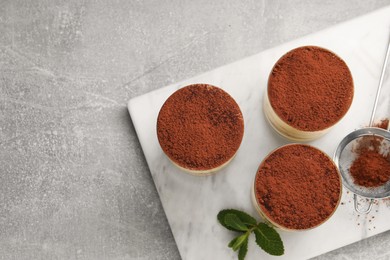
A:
{"points": [[200, 128], [309, 90], [297, 187]]}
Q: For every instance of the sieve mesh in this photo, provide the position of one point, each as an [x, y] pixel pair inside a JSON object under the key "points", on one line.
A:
{"points": [[348, 151]]}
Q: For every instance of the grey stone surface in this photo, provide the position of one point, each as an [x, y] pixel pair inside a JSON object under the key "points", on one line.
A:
{"points": [[74, 183]]}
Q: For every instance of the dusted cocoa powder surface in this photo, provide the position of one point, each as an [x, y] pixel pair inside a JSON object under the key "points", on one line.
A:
{"points": [[298, 186], [310, 88], [200, 127]]}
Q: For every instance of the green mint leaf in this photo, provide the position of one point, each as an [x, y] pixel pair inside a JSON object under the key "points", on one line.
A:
{"points": [[231, 243], [268, 239], [243, 250], [245, 218], [235, 223], [240, 240]]}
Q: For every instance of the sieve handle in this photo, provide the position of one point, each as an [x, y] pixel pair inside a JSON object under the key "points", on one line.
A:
{"points": [[356, 204], [380, 86]]}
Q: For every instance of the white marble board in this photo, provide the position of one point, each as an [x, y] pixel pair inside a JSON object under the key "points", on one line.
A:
{"points": [[191, 203]]}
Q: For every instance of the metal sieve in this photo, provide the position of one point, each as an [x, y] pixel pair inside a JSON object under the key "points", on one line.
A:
{"points": [[347, 152]]}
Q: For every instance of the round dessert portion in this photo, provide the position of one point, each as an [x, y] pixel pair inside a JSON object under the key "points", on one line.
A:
{"points": [[297, 187], [200, 128], [309, 90]]}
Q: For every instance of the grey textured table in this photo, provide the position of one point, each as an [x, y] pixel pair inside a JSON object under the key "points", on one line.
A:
{"points": [[73, 180]]}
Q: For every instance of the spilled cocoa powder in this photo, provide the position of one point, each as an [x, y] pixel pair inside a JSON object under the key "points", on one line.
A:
{"points": [[298, 186], [310, 88], [384, 124], [200, 127], [371, 168]]}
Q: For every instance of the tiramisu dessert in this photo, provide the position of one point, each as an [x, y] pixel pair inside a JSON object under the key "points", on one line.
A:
{"points": [[297, 187], [200, 128], [309, 90]]}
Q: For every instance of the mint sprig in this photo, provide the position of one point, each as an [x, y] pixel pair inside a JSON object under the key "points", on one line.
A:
{"points": [[267, 237], [243, 250], [234, 222], [245, 218], [237, 242]]}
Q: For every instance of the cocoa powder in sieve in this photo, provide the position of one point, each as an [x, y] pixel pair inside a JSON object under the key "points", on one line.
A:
{"points": [[371, 168], [310, 88], [298, 186], [200, 127]]}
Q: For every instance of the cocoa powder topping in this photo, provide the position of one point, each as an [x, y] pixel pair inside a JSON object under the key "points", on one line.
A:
{"points": [[310, 88], [298, 186], [200, 127]]}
